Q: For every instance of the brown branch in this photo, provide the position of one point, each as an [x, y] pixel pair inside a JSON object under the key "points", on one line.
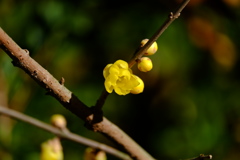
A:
{"points": [[159, 32], [141, 50], [94, 121], [22, 60], [201, 157], [66, 135]]}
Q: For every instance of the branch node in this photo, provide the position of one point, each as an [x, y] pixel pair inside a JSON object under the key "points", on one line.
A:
{"points": [[62, 81], [96, 117], [202, 156], [138, 59], [171, 15], [34, 74], [26, 51], [177, 15], [174, 16]]}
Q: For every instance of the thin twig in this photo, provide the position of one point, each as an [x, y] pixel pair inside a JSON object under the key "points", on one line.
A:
{"points": [[22, 60], [66, 135], [172, 16], [101, 100], [140, 52], [201, 157]]}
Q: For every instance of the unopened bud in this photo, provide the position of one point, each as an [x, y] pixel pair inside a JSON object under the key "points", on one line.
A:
{"points": [[94, 154], [152, 49], [58, 121], [51, 150], [145, 64]]}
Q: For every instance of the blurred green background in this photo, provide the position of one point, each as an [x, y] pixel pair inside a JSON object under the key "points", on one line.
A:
{"points": [[191, 102]]}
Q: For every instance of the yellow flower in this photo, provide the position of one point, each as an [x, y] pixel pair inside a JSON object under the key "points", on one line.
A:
{"points": [[119, 77]]}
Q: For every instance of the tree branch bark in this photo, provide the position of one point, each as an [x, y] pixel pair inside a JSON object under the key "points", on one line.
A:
{"points": [[65, 135], [93, 120], [22, 60], [140, 52], [172, 16]]}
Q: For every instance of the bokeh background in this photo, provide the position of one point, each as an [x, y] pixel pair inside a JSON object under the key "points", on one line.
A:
{"points": [[191, 102]]}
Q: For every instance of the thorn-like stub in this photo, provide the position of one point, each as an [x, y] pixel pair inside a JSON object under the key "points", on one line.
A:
{"points": [[138, 59], [171, 15], [34, 73], [175, 16], [26, 51], [62, 81]]}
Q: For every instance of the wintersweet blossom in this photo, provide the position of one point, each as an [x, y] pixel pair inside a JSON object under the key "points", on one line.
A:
{"points": [[119, 77]]}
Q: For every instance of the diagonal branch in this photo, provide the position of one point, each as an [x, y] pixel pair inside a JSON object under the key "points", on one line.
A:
{"points": [[140, 52], [172, 16], [22, 60], [66, 135], [97, 123]]}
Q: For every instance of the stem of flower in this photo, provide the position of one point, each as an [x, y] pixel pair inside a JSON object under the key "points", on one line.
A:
{"points": [[159, 32]]}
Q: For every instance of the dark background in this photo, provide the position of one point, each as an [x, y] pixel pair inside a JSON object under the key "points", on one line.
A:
{"points": [[191, 102]]}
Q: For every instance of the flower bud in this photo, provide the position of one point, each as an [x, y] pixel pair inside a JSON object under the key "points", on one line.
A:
{"points": [[139, 88], [94, 154], [152, 49], [58, 121], [51, 150], [145, 64]]}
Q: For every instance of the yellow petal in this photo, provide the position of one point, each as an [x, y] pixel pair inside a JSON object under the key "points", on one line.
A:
{"points": [[125, 73], [108, 86], [114, 70], [139, 88], [122, 64], [112, 79], [106, 70], [120, 91]]}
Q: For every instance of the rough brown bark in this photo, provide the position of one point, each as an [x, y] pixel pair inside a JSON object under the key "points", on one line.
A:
{"points": [[94, 121]]}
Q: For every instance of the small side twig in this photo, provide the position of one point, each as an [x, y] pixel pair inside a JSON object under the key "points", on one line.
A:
{"points": [[201, 157], [159, 32], [140, 52], [66, 135], [22, 60], [69, 100]]}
